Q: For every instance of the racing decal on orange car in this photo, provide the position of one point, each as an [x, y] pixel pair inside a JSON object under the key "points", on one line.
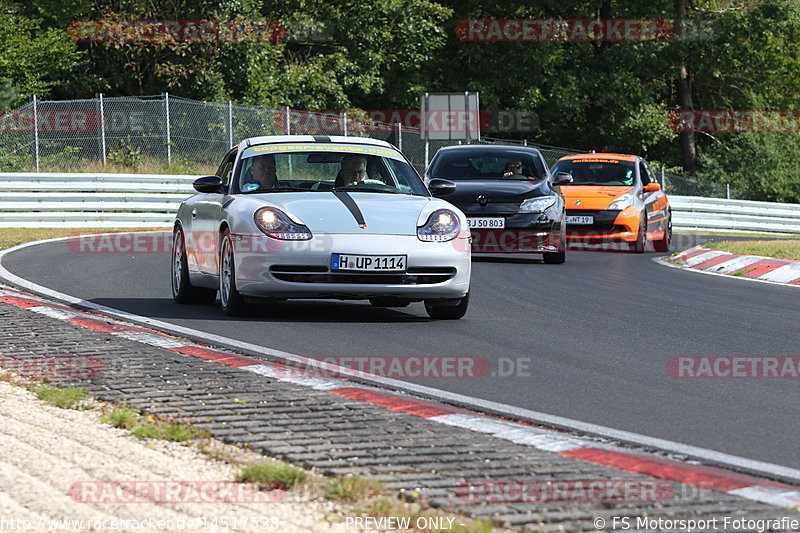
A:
{"points": [[614, 161], [660, 204]]}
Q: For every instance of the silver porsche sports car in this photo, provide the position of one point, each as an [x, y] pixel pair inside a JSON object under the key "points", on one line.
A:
{"points": [[321, 217]]}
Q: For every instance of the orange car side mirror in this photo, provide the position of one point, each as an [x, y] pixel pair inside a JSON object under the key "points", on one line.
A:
{"points": [[652, 187]]}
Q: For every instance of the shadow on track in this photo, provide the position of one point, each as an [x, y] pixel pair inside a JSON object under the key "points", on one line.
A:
{"points": [[291, 311]]}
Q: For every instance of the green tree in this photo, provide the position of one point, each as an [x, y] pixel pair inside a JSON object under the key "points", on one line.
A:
{"points": [[33, 59]]}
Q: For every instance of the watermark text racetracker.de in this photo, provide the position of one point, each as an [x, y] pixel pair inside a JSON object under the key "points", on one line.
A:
{"points": [[734, 121], [171, 491], [52, 367], [405, 367], [566, 490], [733, 367]]}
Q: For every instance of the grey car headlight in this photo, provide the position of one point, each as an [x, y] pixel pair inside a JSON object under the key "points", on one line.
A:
{"points": [[276, 224], [537, 205], [442, 225]]}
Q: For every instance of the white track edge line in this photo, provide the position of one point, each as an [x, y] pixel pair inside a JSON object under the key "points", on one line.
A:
{"points": [[662, 261], [714, 457]]}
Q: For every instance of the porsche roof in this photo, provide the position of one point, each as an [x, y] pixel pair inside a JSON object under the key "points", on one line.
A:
{"points": [[274, 139]]}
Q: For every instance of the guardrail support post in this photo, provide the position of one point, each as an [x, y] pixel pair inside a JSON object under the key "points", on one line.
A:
{"points": [[102, 130], [169, 140], [230, 123], [399, 136], [35, 133]]}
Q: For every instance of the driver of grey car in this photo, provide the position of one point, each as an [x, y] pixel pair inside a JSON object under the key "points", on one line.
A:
{"points": [[261, 174]]}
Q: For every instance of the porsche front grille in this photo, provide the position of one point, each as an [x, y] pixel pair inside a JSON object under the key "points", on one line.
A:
{"points": [[317, 274]]}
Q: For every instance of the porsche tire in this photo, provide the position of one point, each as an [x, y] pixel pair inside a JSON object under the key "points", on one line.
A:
{"points": [[447, 312], [231, 301], [182, 290]]}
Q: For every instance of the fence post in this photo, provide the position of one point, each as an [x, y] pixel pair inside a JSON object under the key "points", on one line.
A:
{"points": [[288, 124], [399, 136], [169, 140], [36, 133], [344, 122], [230, 123], [102, 129], [728, 191], [426, 151], [663, 180], [524, 142]]}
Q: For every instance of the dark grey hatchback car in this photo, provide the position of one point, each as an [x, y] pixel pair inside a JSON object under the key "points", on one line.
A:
{"points": [[512, 202]]}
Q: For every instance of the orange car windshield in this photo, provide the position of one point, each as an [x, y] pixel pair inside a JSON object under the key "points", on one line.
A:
{"points": [[598, 171]]}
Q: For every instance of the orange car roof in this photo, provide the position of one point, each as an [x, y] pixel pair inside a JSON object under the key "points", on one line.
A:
{"points": [[623, 157]]}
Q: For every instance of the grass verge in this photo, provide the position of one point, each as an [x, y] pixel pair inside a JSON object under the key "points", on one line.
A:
{"points": [[63, 397], [273, 475], [778, 249], [13, 236], [148, 427]]}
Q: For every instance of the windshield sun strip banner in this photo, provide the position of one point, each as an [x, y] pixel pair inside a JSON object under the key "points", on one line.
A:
{"points": [[614, 161], [342, 148]]}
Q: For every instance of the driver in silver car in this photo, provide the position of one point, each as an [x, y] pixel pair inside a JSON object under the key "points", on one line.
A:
{"points": [[261, 174], [353, 171]]}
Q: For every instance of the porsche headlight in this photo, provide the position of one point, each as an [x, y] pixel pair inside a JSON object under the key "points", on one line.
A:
{"points": [[442, 225], [621, 203], [537, 205], [276, 224]]}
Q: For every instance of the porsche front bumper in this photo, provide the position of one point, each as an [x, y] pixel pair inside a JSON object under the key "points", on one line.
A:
{"points": [[267, 268]]}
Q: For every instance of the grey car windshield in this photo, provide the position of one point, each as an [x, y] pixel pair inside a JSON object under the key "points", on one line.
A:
{"points": [[488, 163], [598, 171], [317, 167]]}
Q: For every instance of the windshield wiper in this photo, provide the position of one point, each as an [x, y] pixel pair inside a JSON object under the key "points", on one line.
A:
{"points": [[286, 189], [367, 189]]}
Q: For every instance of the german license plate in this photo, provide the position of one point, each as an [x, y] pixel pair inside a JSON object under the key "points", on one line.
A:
{"points": [[580, 220], [486, 223], [368, 263]]}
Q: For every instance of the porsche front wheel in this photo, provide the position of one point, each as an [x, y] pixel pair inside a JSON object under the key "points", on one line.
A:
{"points": [[231, 301], [182, 290], [447, 312]]}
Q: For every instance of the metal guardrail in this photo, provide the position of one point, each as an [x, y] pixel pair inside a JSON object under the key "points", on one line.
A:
{"points": [[694, 213], [72, 200]]}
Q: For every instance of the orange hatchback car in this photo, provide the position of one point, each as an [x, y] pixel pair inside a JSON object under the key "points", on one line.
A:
{"points": [[615, 198]]}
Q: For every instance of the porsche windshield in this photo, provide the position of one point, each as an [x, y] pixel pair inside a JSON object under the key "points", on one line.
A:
{"points": [[325, 167], [598, 171]]}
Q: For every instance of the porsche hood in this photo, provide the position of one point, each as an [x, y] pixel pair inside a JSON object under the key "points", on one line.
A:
{"points": [[344, 213]]}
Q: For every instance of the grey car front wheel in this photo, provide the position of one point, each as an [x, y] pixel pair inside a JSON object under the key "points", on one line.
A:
{"points": [[231, 301]]}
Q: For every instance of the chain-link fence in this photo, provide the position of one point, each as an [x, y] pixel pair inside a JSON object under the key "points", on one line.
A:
{"points": [[67, 134]]}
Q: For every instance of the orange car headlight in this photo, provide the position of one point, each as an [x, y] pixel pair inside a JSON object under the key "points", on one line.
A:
{"points": [[626, 200]]}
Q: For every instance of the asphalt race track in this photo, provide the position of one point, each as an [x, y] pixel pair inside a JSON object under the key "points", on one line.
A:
{"points": [[596, 332]]}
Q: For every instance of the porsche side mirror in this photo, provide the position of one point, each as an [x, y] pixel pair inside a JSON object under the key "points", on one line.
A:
{"points": [[562, 178], [652, 187], [208, 184], [440, 187]]}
